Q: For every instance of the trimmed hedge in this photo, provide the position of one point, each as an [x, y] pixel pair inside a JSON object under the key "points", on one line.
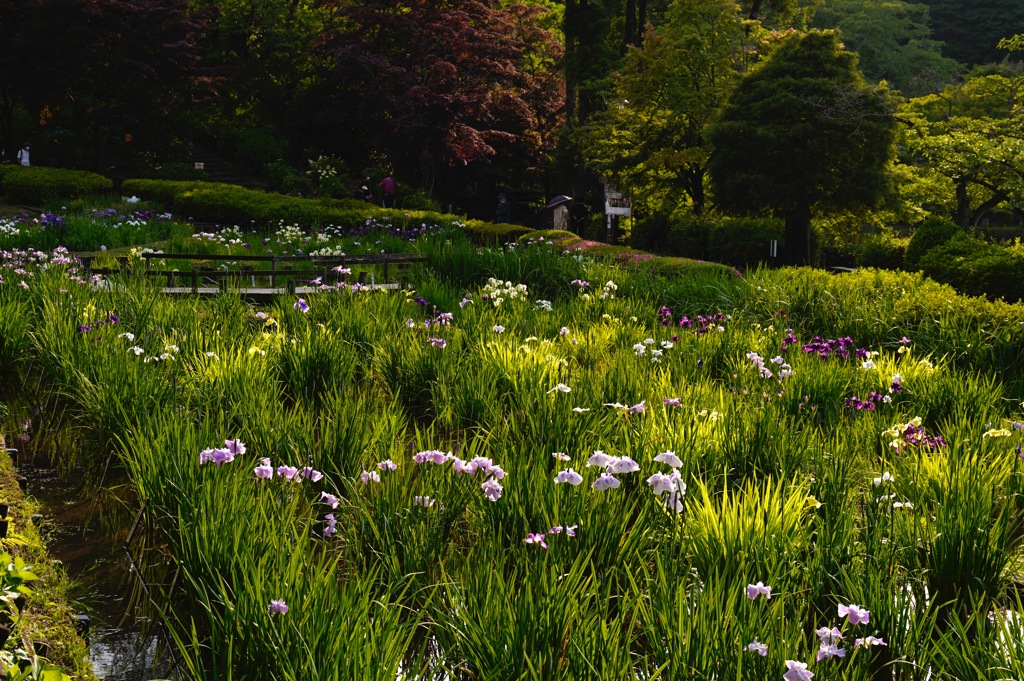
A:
{"points": [[974, 267], [624, 255], [165, 191], [494, 232], [4, 169], [883, 251], [37, 185], [934, 231], [232, 204], [740, 242]]}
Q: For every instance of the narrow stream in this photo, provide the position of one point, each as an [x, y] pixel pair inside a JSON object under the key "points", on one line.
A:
{"points": [[121, 645]]}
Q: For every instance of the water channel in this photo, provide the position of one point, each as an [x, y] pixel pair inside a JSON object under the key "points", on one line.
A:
{"points": [[88, 540]]}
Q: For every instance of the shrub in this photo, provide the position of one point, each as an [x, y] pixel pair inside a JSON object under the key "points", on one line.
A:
{"points": [[652, 233], [286, 179], [688, 236], [934, 231], [417, 199], [253, 147], [733, 241], [974, 267], [165, 191], [744, 241], [884, 251], [4, 169], [37, 185], [492, 232]]}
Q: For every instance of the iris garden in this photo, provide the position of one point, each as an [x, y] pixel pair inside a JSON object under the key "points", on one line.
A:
{"points": [[537, 465]]}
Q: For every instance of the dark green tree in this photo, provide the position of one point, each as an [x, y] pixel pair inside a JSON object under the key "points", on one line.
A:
{"points": [[653, 138], [893, 40], [802, 134], [971, 29]]}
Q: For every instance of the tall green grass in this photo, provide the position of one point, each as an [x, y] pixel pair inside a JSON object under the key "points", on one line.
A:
{"points": [[780, 473]]}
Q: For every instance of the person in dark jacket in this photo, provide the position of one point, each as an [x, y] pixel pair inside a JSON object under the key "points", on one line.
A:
{"points": [[503, 213]]}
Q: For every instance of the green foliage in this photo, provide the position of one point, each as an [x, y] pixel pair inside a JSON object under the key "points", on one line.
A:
{"points": [[971, 30], [495, 233], [165, 191], [285, 179], [654, 138], [934, 231], [254, 147], [893, 40], [231, 204], [780, 474], [739, 242], [884, 251], [802, 132], [744, 241], [37, 185], [966, 141], [974, 267]]}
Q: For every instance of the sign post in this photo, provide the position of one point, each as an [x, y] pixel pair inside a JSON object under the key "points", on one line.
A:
{"points": [[615, 204]]}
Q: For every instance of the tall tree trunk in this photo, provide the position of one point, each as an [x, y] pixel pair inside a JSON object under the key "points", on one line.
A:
{"points": [[798, 235], [963, 204], [570, 26], [629, 30]]}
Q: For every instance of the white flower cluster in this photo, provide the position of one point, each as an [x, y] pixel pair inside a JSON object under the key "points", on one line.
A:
{"points": [[497, 291], [647, 348], [228, 236], [9, 227], [288, 233], [785, 371], [609, 289], [329, 252]]}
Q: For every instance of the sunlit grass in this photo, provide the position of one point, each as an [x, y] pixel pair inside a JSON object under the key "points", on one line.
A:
{"points": [[418, 574]]}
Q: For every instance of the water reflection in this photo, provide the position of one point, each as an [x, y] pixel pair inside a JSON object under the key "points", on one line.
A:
{"points": [[122, 654], [122, 647]]}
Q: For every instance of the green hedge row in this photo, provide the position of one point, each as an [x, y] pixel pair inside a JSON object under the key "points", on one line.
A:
{"points": [[623, 255], [231, 204], [37, 185], [949, 255], [741, 242], [975, 267], [165, 191]]}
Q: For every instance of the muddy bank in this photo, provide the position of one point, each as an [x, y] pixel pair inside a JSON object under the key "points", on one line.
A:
{"points": [[47, 625]]}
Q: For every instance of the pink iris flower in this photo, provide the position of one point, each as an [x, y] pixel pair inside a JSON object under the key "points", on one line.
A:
{"points": [[759, 589], [855, 614], [264, 471]]}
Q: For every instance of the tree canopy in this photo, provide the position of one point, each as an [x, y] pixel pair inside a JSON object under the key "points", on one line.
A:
{"points": [[653, 138], [968, 143], [97, 73], [802, 133], [972, 29], [448, 83], [893, 40]]}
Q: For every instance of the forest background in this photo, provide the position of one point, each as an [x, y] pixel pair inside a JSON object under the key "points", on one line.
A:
{"points": [[463, 99]]}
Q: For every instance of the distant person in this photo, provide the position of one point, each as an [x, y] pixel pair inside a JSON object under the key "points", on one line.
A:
{"points": [[561, 220], [390, 187], [503, 213], [365, 193], [578, 217], [23, 155]]}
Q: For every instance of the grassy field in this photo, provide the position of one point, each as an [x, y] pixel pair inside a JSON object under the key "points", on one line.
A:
{"points": [[570, 471]]}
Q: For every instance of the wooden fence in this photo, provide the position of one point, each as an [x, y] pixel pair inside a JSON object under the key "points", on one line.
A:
{"points": [[291, 271]]}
